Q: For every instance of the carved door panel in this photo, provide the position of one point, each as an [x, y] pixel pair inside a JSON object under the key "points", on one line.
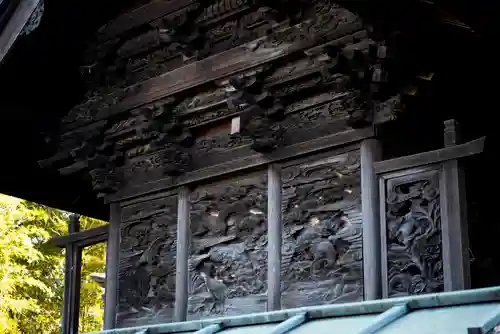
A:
{"points": [[322, 256], [147, 262], [412, 249], [228, 254]]}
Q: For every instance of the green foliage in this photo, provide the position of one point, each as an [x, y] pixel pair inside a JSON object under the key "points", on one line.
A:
{"points": [[32, 272]]}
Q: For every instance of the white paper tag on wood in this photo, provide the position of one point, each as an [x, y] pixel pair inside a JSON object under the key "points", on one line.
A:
{"points": [[235, 125]]}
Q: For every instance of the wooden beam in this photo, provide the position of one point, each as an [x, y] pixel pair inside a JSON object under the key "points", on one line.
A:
{"points": [[112, 263], [249, 162], [72, 281], [15, 25], [274, 236], [182, 273], [370, 152], [456, 264], [431, 157], [82, 238], [140, 16], [238, 59]]}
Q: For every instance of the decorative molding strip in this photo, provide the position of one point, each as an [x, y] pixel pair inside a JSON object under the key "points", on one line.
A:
{"points": [[249, 162]]}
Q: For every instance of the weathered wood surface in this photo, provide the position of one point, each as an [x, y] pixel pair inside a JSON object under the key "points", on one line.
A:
{"points": [[334, 24], [248, 162], [322, 257], [293, 87], [16, 22], [112, 267], [411, 232], [182, 255], [227, 262], [140, 16], [370, 151], [426, 158], [146, 276], [456, 257], [72, 281], [274, 244], [83, 238]]}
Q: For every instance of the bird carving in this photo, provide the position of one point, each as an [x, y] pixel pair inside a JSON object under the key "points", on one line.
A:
{"points": [[217, 289]]}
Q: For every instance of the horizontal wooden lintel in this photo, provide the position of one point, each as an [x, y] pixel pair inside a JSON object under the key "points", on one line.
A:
{"points": [[426, 158], [247, 163], [142, 15], [83, 238]]}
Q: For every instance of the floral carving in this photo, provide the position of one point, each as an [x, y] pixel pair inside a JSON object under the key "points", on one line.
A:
{"points": [[414, 248]]}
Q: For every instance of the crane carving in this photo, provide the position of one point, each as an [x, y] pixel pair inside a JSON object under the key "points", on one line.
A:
{"points": [[217, 290]]}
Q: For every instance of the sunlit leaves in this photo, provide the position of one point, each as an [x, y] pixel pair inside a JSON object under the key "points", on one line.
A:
{"points": [[32, 272]]}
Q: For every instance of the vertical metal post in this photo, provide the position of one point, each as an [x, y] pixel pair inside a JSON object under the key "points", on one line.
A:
{"points": [[72, 281], [181, 278], [456, 267], [274, 242], [370, 152], [112, 266]]}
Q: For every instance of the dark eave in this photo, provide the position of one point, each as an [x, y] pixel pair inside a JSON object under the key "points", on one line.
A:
{"points": [[40, 81]]}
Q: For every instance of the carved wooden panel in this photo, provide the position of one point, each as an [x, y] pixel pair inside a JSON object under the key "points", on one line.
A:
{"points": [[147, 262], [411, 221], [322, 234], [228, 259]]}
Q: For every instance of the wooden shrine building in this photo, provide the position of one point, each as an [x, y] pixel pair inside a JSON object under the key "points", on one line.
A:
{"points": [[258, 155]]}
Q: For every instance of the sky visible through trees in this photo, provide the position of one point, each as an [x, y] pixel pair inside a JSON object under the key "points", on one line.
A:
{"points": [[32, 272]]}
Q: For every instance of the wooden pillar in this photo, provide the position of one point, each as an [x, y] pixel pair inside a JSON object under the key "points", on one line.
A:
{"points": [[372, 274], [454, 217], [112, 266], [182, 274], [72, 281], [275, 228]]}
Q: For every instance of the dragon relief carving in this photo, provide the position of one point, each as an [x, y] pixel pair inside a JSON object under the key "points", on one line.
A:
{"points": [[228, 265], [414, 245], [147, 262], [322, 232]]}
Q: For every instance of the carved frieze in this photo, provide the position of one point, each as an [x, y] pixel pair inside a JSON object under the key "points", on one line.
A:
{"points": [[260, 112], [147, 262], [413, 234], [328, 18], [322, 232], [228, 257]]}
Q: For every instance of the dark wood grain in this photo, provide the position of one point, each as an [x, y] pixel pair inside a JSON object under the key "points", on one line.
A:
{"points": [[427, 158], [140, 16], [248, 162], [83, 238]]}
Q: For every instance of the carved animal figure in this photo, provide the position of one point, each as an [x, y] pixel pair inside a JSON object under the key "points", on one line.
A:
{"points": [[324, 251], [217, 289]]}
